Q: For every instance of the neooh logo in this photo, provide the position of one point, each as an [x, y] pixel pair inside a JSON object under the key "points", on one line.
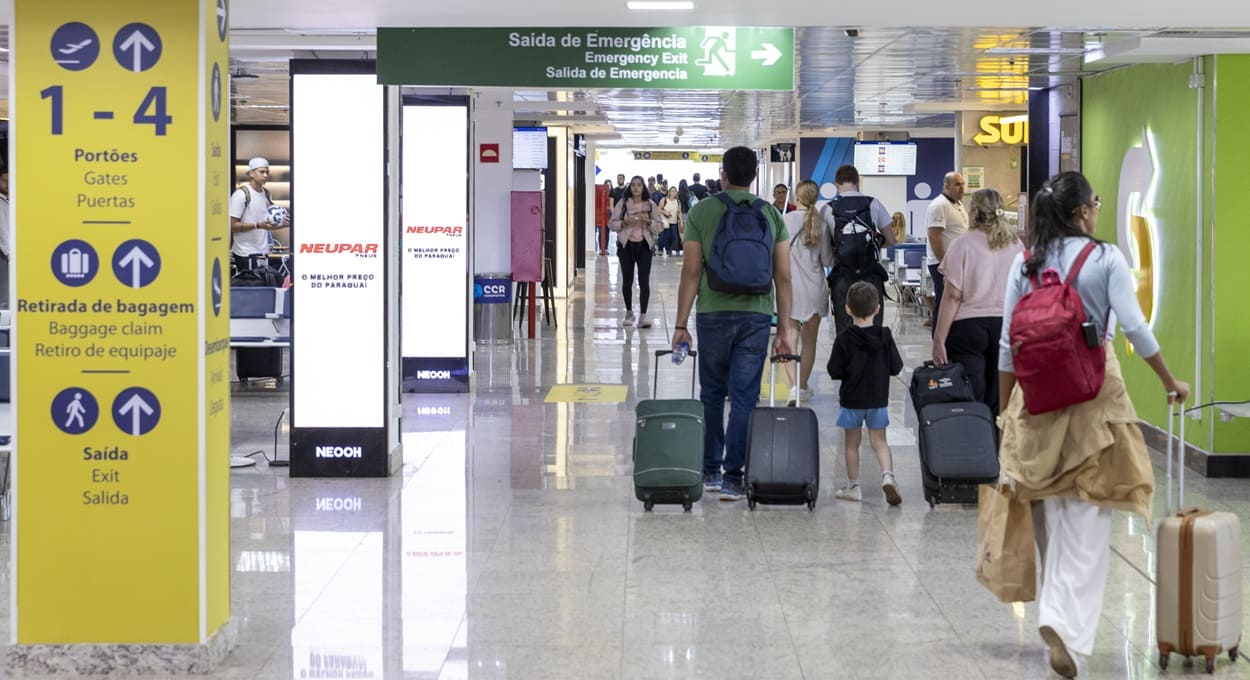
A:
{"points": [[433, 375], [351, 504], [340, 452], [331, 248]]}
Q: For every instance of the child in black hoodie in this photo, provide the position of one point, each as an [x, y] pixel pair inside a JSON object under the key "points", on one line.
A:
{"points": [[864, 357]]}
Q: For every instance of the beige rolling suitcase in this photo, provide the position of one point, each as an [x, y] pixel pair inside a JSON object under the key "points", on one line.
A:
{"points": [[1199, 574]]}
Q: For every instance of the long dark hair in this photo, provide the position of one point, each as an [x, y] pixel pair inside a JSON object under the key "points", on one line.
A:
{"points": [[1052, 216], [629, 193], [683, 195]]}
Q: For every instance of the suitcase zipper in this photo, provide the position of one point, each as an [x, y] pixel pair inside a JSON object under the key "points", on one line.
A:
{"points": [[1185, 553]]}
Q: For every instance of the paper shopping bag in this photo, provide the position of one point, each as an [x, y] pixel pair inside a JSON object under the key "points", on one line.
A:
{"points": [[1005, 560]]}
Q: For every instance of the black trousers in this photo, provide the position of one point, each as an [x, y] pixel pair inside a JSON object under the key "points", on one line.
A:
{"points": [[939, 287], [631, 254], [974, 344], [838, 285]]}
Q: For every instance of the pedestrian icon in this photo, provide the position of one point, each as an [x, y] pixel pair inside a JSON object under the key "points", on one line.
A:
{"points": [[75, 263], [215, 95], [216, 283], [223, 19], [136, 263], [718, 51], [74, 410], [136, 411], [137, 47], [75, 46]]}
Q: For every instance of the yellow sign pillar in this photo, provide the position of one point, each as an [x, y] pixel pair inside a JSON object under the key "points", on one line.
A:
{"points": [[120, 178]]}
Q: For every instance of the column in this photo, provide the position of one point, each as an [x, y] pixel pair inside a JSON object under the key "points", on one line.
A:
{"points": [[120, 181]]}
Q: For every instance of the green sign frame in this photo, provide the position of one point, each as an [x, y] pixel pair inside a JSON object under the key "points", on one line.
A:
{"points": [[680, 58]]}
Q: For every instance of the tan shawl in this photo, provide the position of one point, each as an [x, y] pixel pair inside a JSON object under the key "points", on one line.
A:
{"points": [[1093, 450]]}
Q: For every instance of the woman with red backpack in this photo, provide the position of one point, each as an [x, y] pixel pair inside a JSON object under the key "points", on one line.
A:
{"points": [[1070, 440]]}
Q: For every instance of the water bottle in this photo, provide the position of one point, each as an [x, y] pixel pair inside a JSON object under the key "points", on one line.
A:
{"points": [[679, 354]]}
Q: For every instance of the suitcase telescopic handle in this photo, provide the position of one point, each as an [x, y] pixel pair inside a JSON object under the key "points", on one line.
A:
{"points": [[1176, 410], [772, 377], [694, 371]]}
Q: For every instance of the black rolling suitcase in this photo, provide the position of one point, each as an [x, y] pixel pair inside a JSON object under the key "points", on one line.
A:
{"points": [[958, 451], [783, 452], [258, 362]]}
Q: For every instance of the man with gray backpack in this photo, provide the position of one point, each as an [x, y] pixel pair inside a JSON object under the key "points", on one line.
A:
{"points": [[855, 225], [736, 252]]}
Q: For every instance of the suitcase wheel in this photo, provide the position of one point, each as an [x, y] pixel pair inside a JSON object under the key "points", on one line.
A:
{"points": [[1210, 664], [647, 505], [1163, 660], [1232, 653], [811, 505], [751, 503], [932, 503], [687, 505]]}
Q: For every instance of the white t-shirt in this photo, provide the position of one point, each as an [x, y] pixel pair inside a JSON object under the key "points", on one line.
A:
{"points": [[254, 241], [952, 218]]}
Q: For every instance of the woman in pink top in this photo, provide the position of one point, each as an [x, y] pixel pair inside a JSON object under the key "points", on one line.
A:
{"points": [[636, 221], [977, 267]]}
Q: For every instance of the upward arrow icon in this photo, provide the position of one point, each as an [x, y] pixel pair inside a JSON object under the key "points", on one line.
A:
{"points": [[137, 260], [138, 43], [136, 407]]}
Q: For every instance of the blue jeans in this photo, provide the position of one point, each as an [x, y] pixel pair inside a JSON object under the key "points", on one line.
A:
{"points": [[733, 347]]}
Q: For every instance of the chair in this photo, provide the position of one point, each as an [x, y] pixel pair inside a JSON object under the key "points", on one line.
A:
{"points": [[910, 274]]}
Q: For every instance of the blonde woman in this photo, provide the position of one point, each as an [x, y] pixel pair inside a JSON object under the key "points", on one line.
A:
{"points": [[977, 267], [809, 255]]}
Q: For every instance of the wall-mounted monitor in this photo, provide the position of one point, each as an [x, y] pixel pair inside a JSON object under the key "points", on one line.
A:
{"points": [[885, 158], [529, 148]]}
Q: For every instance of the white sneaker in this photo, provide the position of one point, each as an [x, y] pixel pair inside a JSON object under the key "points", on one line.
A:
{"points": [[629, 319], [643, 321], [849, 493], [807, 393], [890, 486]]}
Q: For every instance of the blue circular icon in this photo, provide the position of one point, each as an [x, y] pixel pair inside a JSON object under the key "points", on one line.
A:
{"points": [[136, 263], [223, 19], [75, 410], [136, 411], [75, 46], [137, 47], [216, 284], [215, 95], [75, 263]]}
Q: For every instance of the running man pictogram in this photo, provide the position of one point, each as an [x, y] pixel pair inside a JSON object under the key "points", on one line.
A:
{"points": [[718, 52]]}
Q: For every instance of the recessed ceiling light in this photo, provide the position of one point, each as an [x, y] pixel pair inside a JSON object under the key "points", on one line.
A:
{"points": [[1038, 51], [660, 4]]}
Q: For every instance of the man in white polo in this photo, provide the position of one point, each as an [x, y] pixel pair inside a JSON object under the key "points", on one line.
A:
{"points": [[948, 220], [249, 216]]}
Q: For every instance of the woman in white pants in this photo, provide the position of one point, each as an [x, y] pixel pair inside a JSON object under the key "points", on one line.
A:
{"points": [[1079, 463]]}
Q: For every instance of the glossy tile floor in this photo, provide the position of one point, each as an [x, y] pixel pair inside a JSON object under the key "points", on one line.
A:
{"points": [[511, 545]]}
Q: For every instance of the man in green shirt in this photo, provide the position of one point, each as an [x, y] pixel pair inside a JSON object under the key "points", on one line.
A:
{"points": [[733, 329]]}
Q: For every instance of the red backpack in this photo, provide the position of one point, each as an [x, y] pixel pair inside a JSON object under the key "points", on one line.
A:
{"points": [[1054, 362]]}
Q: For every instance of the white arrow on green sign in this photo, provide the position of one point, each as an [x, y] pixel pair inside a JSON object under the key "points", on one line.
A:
{"points": [[680, 58]]}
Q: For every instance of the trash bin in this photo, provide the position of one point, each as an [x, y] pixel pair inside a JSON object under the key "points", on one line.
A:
{"points": [[492, 308]]}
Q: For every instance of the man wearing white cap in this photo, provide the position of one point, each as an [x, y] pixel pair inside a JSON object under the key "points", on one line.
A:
{"points": [[249, 216]]}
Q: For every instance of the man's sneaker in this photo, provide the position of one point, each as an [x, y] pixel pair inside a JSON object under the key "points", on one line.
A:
{"points": [[629, 319], [890, 486], [849, 493], [807, 393], [731, 490], [643, 321], [711, 481]]}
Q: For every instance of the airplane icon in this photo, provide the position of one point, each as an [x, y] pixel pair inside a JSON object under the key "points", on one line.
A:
{"points": [[75, 47]]}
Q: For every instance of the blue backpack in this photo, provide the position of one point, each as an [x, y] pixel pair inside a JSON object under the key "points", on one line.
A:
{"points": [[741, 261]]}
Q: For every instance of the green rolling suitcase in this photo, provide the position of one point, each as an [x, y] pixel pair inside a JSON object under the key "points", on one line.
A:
{"points": [[668, 446]]}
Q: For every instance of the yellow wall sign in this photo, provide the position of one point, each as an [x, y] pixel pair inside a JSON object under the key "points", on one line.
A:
{"points": [[1009, 130], [121, 322]]}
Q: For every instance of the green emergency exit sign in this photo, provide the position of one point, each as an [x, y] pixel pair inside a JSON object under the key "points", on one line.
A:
{"points": [[681, 58]]}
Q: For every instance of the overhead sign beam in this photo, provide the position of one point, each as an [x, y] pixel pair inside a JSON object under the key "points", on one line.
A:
{"points": [[678, 58]]}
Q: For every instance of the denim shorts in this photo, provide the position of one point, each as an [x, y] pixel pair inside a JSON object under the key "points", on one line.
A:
{"points": [[855, 418]]}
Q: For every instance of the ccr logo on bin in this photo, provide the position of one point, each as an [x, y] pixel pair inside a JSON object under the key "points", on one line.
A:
{"points": [[492, 291]]}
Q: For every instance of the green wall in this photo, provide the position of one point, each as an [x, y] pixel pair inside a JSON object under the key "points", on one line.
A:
{"points": [[1231, 368], [1117, 110]]}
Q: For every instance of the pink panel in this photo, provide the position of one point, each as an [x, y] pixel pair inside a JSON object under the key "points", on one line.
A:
{"points": [[527, 236]]}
